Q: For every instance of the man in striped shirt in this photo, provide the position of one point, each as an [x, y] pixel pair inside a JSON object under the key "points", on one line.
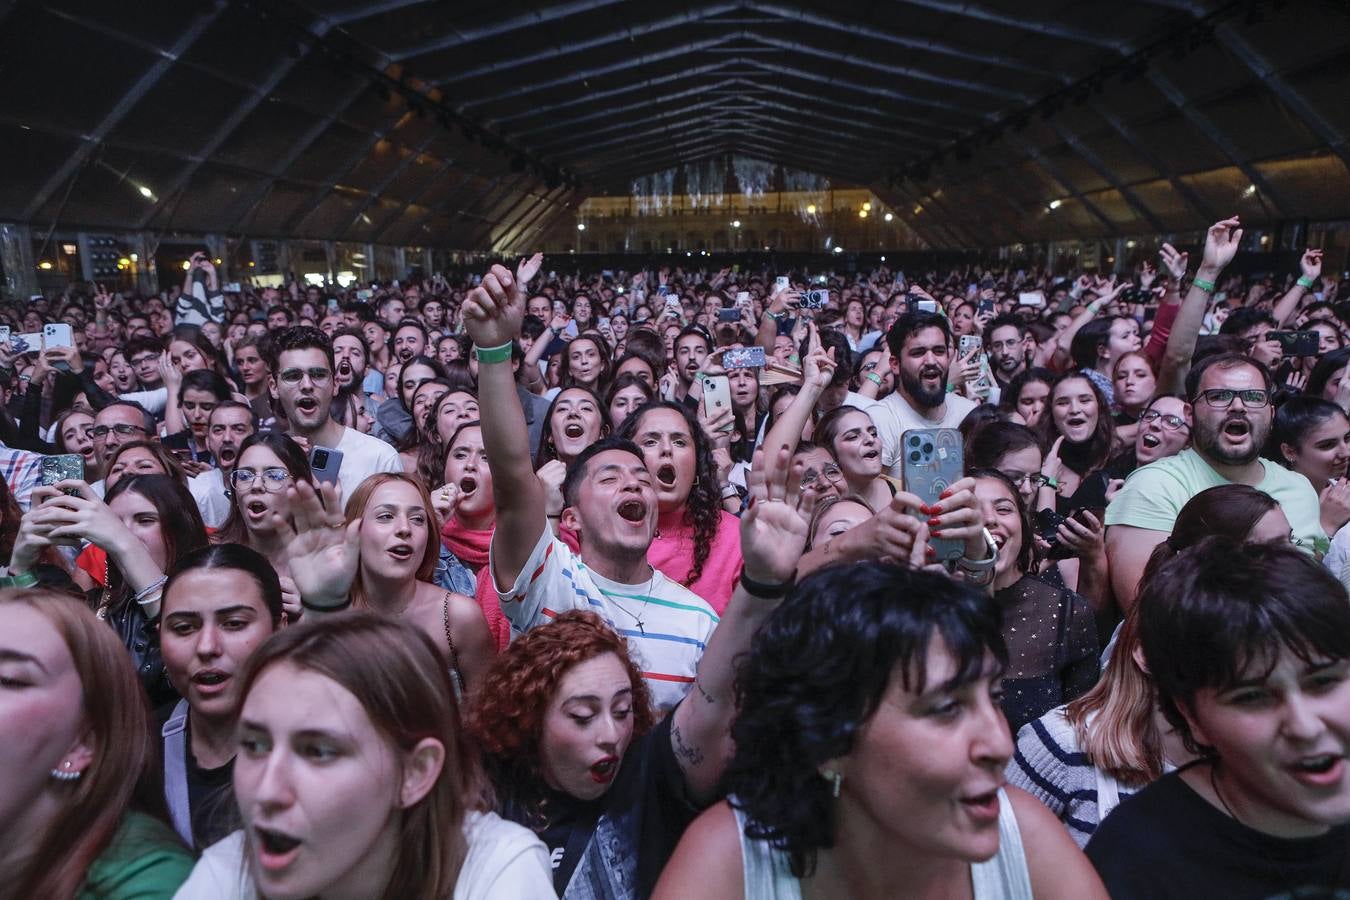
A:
{"points": [[609, 501]]}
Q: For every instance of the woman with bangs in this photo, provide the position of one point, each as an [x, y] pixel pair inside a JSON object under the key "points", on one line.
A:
{"points": [[576, 419], [1083, 758], [1249, 649], [869, 756], [424, 398], [587, 363], [851, 437], [81, 813], [354, 778], [447, 414]]}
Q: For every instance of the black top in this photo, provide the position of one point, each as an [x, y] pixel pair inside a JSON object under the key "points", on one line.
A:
{"points": [[644, 812], [1052, 648], [210, 791], [1168, 841]]}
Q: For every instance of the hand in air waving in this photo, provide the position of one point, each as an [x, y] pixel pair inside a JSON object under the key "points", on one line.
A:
{"points": [[322, 551], [494, 310], [773, 532]]}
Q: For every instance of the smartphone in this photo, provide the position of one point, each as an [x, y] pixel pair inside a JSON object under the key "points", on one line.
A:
{"points": [[364, 296], [815, 299], [729, 314], [58, 334], [602, 322], [1047, 528], [62, 467], [325, 463], [743, 299], [930, 462], [662, 290], [673, 304], [743, 358], [717, 397], [918, 304], [781, 283], [4, 333], [1031, 298], [1293, 343], [984, 308], [232, 287], [28, 342], [970, 342], [332, 306]]}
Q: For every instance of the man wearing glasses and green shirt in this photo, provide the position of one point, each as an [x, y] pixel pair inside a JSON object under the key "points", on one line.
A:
{"points": [[1230, 403], [301, 361]]}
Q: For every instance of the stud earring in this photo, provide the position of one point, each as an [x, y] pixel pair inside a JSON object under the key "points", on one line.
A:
{"points": [[65, 774], [835, 780]]}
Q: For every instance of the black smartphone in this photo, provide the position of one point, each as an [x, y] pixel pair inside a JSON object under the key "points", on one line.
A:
{"points": [[1047, 528], [1297, 343], [985, 308], [729, 314]]}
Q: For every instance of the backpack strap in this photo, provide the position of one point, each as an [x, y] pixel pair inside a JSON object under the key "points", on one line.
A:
{"points": [[175, 771]]}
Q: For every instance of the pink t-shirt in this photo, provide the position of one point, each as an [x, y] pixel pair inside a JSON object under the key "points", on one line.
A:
{"points": [[672, 553]]}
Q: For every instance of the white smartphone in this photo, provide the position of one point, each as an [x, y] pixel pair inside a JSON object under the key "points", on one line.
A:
{"points": [[57, 334], [1031, 298], [716, 396], [781, 283]]}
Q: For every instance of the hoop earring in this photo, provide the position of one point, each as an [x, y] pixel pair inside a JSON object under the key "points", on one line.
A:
{"points": [[835, 780], [65, 774]]}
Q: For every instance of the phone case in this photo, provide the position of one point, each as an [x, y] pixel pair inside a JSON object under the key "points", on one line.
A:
{"points": [[61, 467], [325, 462], [716, 395], [931, 461]]}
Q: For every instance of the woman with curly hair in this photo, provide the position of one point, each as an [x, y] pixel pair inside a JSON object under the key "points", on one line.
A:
{"points": [[697, 542], [869, 755], [572, 744]]}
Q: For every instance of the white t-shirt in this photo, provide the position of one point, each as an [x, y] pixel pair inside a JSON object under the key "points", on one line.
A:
{"points": [[208, 489], [675, 621], [894, 416], [504, 860], [363, 456]]}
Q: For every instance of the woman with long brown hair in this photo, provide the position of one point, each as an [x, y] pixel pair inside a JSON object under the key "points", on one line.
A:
{"points": [[80, 810], [353, 772]]}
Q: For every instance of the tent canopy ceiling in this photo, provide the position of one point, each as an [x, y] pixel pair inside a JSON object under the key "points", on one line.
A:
{"points": [[479, 125]]}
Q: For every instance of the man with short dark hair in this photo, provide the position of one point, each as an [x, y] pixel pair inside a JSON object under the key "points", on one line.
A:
{"points": [[410, 339], [609, 502], [921, 347], [302, 384], [691, 349], [1231, 406], [143, 353], [230, 424], [1005, 340]]}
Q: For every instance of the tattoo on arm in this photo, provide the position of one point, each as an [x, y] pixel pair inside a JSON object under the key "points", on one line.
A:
{"points": [[704, 694], [690, 754]]}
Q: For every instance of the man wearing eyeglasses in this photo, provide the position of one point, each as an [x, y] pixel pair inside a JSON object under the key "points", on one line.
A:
{"points": [[302, 383], [1230, 402], [117, 424]]}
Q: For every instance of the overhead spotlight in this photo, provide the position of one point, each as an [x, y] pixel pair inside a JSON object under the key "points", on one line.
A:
{"points": [[883, 257], [838, 249], [1055, 204], [735, 223], [867, 205], [581, 226], [862, 213], [889, 216], [810, 209], [146, 192]]}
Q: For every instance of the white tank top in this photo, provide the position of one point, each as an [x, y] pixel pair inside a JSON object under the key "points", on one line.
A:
{"points": [[1002, 877]]}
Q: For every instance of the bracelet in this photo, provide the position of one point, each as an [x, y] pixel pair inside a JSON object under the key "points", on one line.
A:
{"points": [[874, 378], [557, 516], [1304, 282], [729, 491], [500, 353], [1202, 284], [764, 590], [343, 603], [1051, 483], [21, 580], [149, 589]]}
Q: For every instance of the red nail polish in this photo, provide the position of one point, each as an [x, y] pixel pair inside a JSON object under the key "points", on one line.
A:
{"points": [[933, 523], [935, 533], [944, 495], [929, 551]]}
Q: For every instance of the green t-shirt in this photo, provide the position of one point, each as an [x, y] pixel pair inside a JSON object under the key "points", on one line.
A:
{"points": [[145, 861], [1154, 494]]}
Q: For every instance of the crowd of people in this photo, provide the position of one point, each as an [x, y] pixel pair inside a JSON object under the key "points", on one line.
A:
{"points": [[626, 584]]}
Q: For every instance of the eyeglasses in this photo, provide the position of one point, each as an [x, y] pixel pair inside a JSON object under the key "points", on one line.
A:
{"points": [[1222, 398], [828, 471], [295, 376], [101, 431], [1036, 479], [273, 479], [1169, 421]]}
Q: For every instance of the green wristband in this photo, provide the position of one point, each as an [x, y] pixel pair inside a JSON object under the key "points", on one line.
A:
{"points": [[500, 353], [21, 580], [1305, 282], [1202, 284]]}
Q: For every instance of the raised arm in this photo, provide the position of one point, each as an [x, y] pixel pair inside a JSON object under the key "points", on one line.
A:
{"points": [[1221, 245], [817, 370], [1286, 306], [492, 314], [773, 534]]}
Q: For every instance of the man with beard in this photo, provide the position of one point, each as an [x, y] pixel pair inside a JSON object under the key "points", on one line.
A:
{"points": [[230, 423], [1005, 340], [352, 359], [692, 347], [921, 348], [1230, 401]]}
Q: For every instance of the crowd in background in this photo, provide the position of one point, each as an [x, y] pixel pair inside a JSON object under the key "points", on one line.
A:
{"points": [[538, 581]]}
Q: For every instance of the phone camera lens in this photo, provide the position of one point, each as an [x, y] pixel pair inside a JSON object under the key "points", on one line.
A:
{"points": [[914, 456], [927, 449], [321, 459]]}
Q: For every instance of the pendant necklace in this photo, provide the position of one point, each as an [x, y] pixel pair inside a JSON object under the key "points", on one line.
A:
{"points": [[637, 618]]}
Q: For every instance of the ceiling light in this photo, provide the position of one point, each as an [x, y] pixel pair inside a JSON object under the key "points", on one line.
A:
{"points": [[883, 258], [867, 205], [581, 226], [135, 257], [1055, 204], [888, 217], [44, 265], [146, 192], [838, 249], [810, 209], [862, 213], [1250, 191], [735, 223]]}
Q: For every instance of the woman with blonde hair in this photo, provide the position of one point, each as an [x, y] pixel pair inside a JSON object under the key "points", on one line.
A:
{"points": [[81, 814]]}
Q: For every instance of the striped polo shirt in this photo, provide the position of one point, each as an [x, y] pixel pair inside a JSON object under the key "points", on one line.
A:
{"points": [[666, 625]]}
